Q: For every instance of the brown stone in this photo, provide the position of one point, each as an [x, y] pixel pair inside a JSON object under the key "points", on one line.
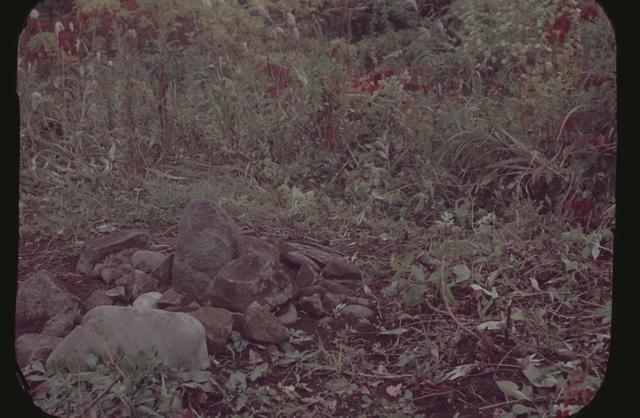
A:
{"points": [[260, 325], [339, 268], [218, 324], [98, 248]]}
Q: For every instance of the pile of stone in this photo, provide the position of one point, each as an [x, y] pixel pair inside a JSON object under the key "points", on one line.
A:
{"points": [[183, 305]]}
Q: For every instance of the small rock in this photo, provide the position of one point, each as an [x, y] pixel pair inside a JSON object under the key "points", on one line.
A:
{"points": [[96, 271], [32, 347], [310, 290], [331, 300], [171, 298], [306, 277], [260, 325], [289, 316], [356, 311], [251, 244], [218, 324], [118, 293], [61, 324], [312, 305], [98, 248], [146, 260], [147, 300], [299, 259], [339, 268], [40, 298], [193, 306], [98, 298], [357, 301], [142, 283], [335, 287], [178, 339], [111, 274], [163, 272]]}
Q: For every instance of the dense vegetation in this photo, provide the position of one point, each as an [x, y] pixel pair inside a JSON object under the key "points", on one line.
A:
{"points": [[477, 133]]}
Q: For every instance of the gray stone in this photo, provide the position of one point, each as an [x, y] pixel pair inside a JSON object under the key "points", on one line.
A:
{"points": [[208, 238], [40, 298], [142, 283], [252, 277], [61, 324], [251, 244], [111, 274], [192, 306], [170, 298], [32, 347], [356, 311], [312, 305], [218, 324], [98, 298], [320, 256], [357, 301], [163, 272], [98, 248], [147, 300], [118, 293], [335, 287], [339, 268], [146, 260], [177, 338], [306, 277], [260, 325], [310, 290], [331, 300], [299, 259], [96, 271], [289, 316]]}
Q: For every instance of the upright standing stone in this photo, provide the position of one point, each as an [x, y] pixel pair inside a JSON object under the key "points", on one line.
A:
{"points": [[207, 239]]}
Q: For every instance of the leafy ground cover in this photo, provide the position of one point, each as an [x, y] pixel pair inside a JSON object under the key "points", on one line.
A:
{"points": [[462, 153]]}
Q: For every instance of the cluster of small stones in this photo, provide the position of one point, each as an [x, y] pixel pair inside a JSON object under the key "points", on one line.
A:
{"points": [[183, 305]]}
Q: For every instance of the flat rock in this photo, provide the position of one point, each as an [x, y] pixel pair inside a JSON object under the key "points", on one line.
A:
{"points": [[339, 268], [253, 277], [40, 298], [177, 338], [146, 260], [218, 324], [207, 240], [98, 298], [261, 326], [60, 325], [335, 287], [299, 259], [320, 256], [170, 298], [312, 305], [147, 300], [98, 248], [356, 311], [32, 347]]}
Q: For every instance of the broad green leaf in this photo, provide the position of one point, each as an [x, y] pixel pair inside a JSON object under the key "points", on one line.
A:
{"points": [[462, 272], [258, 371], [415, 295], [237, 381], [511, 389], [419, 274]]}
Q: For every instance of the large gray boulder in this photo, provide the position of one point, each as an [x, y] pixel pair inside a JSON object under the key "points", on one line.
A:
{"points": [[40, 298], [256, 276], [207, 239], [98, 248], [177, 338]]}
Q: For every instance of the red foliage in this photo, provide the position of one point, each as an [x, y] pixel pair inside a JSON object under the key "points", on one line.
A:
{"points": [[588, 11], [278, 74], [559, 29], [579, 204]]}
